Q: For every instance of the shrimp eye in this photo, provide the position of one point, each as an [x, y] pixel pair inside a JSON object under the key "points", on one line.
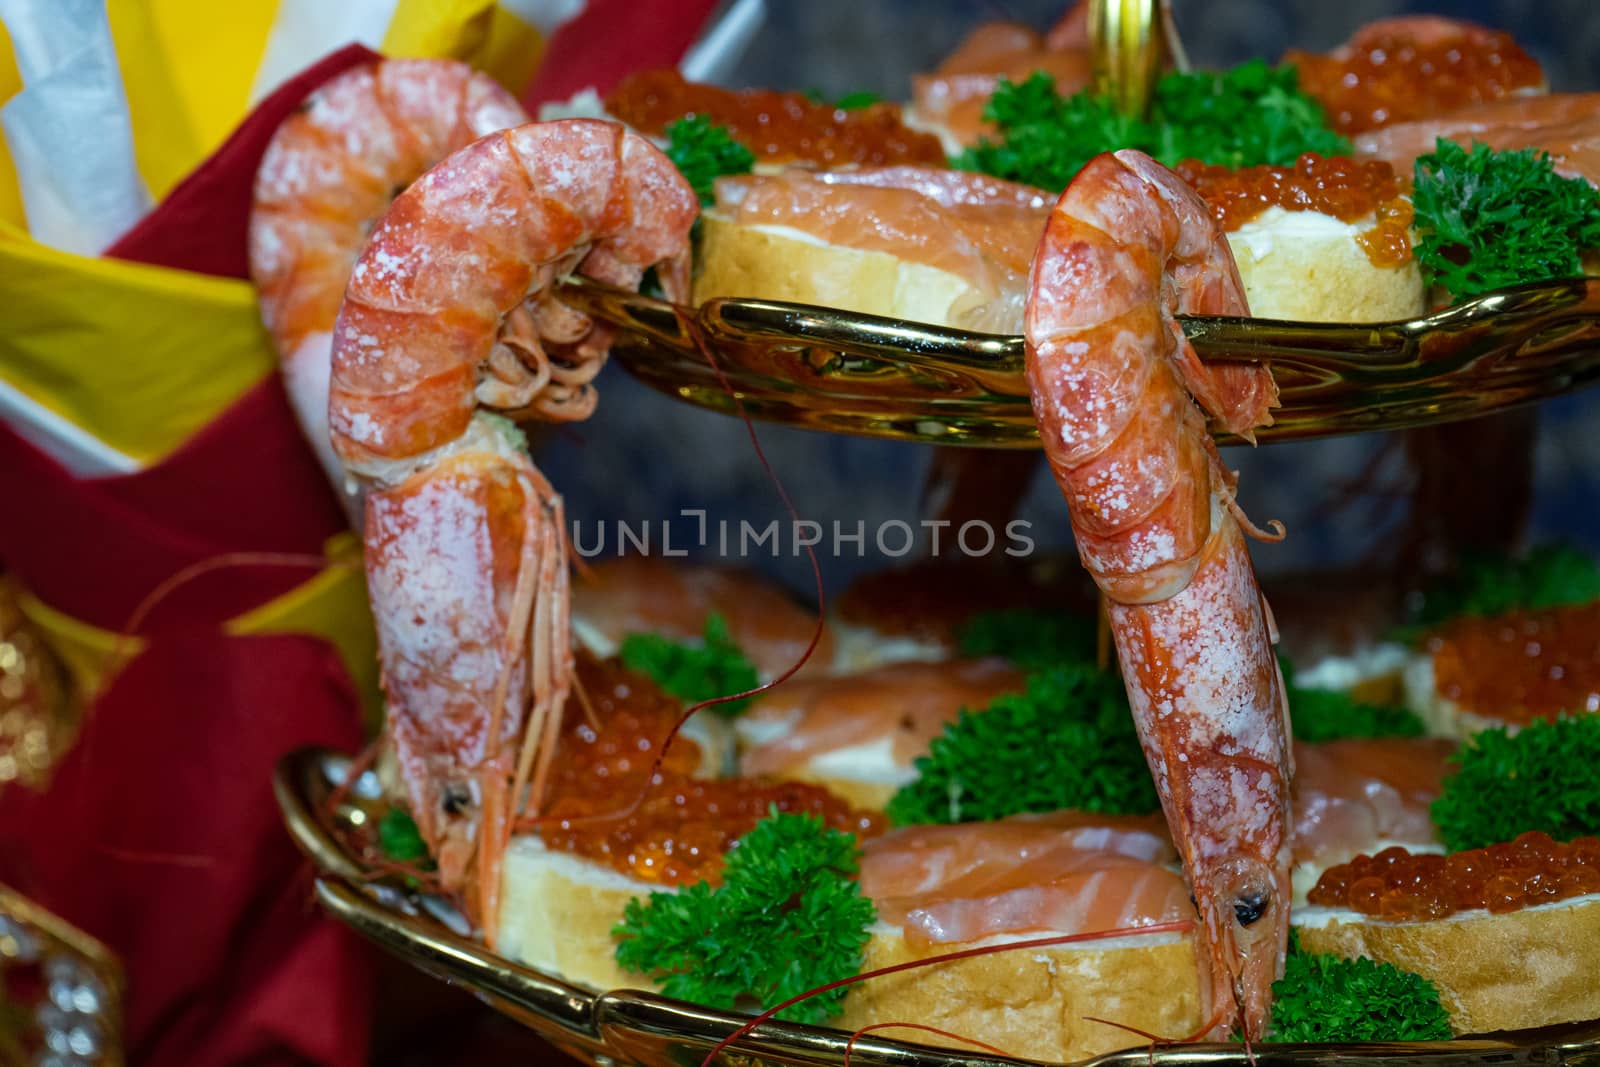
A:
{"points": [[455, 799], [1250, 906]]}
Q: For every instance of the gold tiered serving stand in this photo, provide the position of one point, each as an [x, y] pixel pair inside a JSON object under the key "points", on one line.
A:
{"points": [[845, 372]]}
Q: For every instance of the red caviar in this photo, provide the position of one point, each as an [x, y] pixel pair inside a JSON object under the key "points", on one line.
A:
{"points": [[1332, 185], [1399, 886], [777, 127], [1522, 666], [1394, 77], [684, 825]]}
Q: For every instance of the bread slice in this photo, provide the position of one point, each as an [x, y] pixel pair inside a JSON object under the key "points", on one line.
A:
{"points": [[1304, 266], [557, 912], [1034, 1003], [1535, 967], [1442, 716], [782, 263], [860, 647]]}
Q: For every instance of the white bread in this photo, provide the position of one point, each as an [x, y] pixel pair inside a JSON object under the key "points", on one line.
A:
{"points": [[1534, 967], [1035, 1003], [922, 244], [779, 263], [1298, 266], [859, 647], [557, 912], [1305, 266], [1442, 716]]}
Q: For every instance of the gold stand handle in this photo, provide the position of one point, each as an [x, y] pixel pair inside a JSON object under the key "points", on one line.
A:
{"points": [[1132, 42]]}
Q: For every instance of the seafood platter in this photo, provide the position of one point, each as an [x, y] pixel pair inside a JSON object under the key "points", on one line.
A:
{"points": [[1133, 806]]}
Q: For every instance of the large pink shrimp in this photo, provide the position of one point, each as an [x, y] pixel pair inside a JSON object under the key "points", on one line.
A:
{"points": [[450, 317], [329, 173], [1127, 247]]}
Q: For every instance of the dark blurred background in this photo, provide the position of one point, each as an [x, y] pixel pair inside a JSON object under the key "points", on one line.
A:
{"points": [[644, 457]]}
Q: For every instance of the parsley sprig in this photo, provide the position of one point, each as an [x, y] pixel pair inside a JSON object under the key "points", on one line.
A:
{"points": [[1253, 114], [1068, 741], [1329, 715], [1326, 998], [1545, 777], [694, 672], [1491, 584], [1033, 640], [1487, 219], [703, 152], [787, 918], [399, 838]]}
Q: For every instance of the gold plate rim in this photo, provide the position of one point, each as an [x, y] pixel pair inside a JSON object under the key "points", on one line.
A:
{"points": [[843, 371], [633, 1026]]}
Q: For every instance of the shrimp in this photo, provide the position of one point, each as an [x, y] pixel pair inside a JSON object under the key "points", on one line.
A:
{"points": [[330, 171], [451, 329], [1128, 246]]}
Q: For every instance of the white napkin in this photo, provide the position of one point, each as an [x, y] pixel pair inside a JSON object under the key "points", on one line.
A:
{"points": [[714, 56], [306, 30], [70, 138]]}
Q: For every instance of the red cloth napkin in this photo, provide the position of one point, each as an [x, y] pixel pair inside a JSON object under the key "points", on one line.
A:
{"points": [[203, 224], [638, 35], [159, 834]]}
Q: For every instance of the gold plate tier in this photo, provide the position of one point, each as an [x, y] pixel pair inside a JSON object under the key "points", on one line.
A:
{"points": [[840, 371], [633, 1027]]}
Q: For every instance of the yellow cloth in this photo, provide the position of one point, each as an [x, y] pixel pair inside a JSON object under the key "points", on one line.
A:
{"points": [[139, 357], [188, 71]]}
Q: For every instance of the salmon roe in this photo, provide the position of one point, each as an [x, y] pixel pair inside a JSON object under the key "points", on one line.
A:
{"points": [[1522, 666], [777, 127], [683, 826], [1333, 185], [1391, 77], [1398, 886]]}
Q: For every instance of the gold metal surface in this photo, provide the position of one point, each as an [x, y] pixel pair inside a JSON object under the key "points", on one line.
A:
{"points": [[37, 724], [77, 1015], [1128, 46], [630, 1026], [839, 371]]}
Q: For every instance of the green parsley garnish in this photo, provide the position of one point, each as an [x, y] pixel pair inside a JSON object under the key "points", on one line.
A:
{"points": [[1545, 777], [399, 837], [788, 917], [1326, 998], [1033, 640], [703, 152], [1329, 715], [694, 672], [1250, 115], [1487, 219], [857, 100], [1044, 138], [1068, 741], [1487, 585]]}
